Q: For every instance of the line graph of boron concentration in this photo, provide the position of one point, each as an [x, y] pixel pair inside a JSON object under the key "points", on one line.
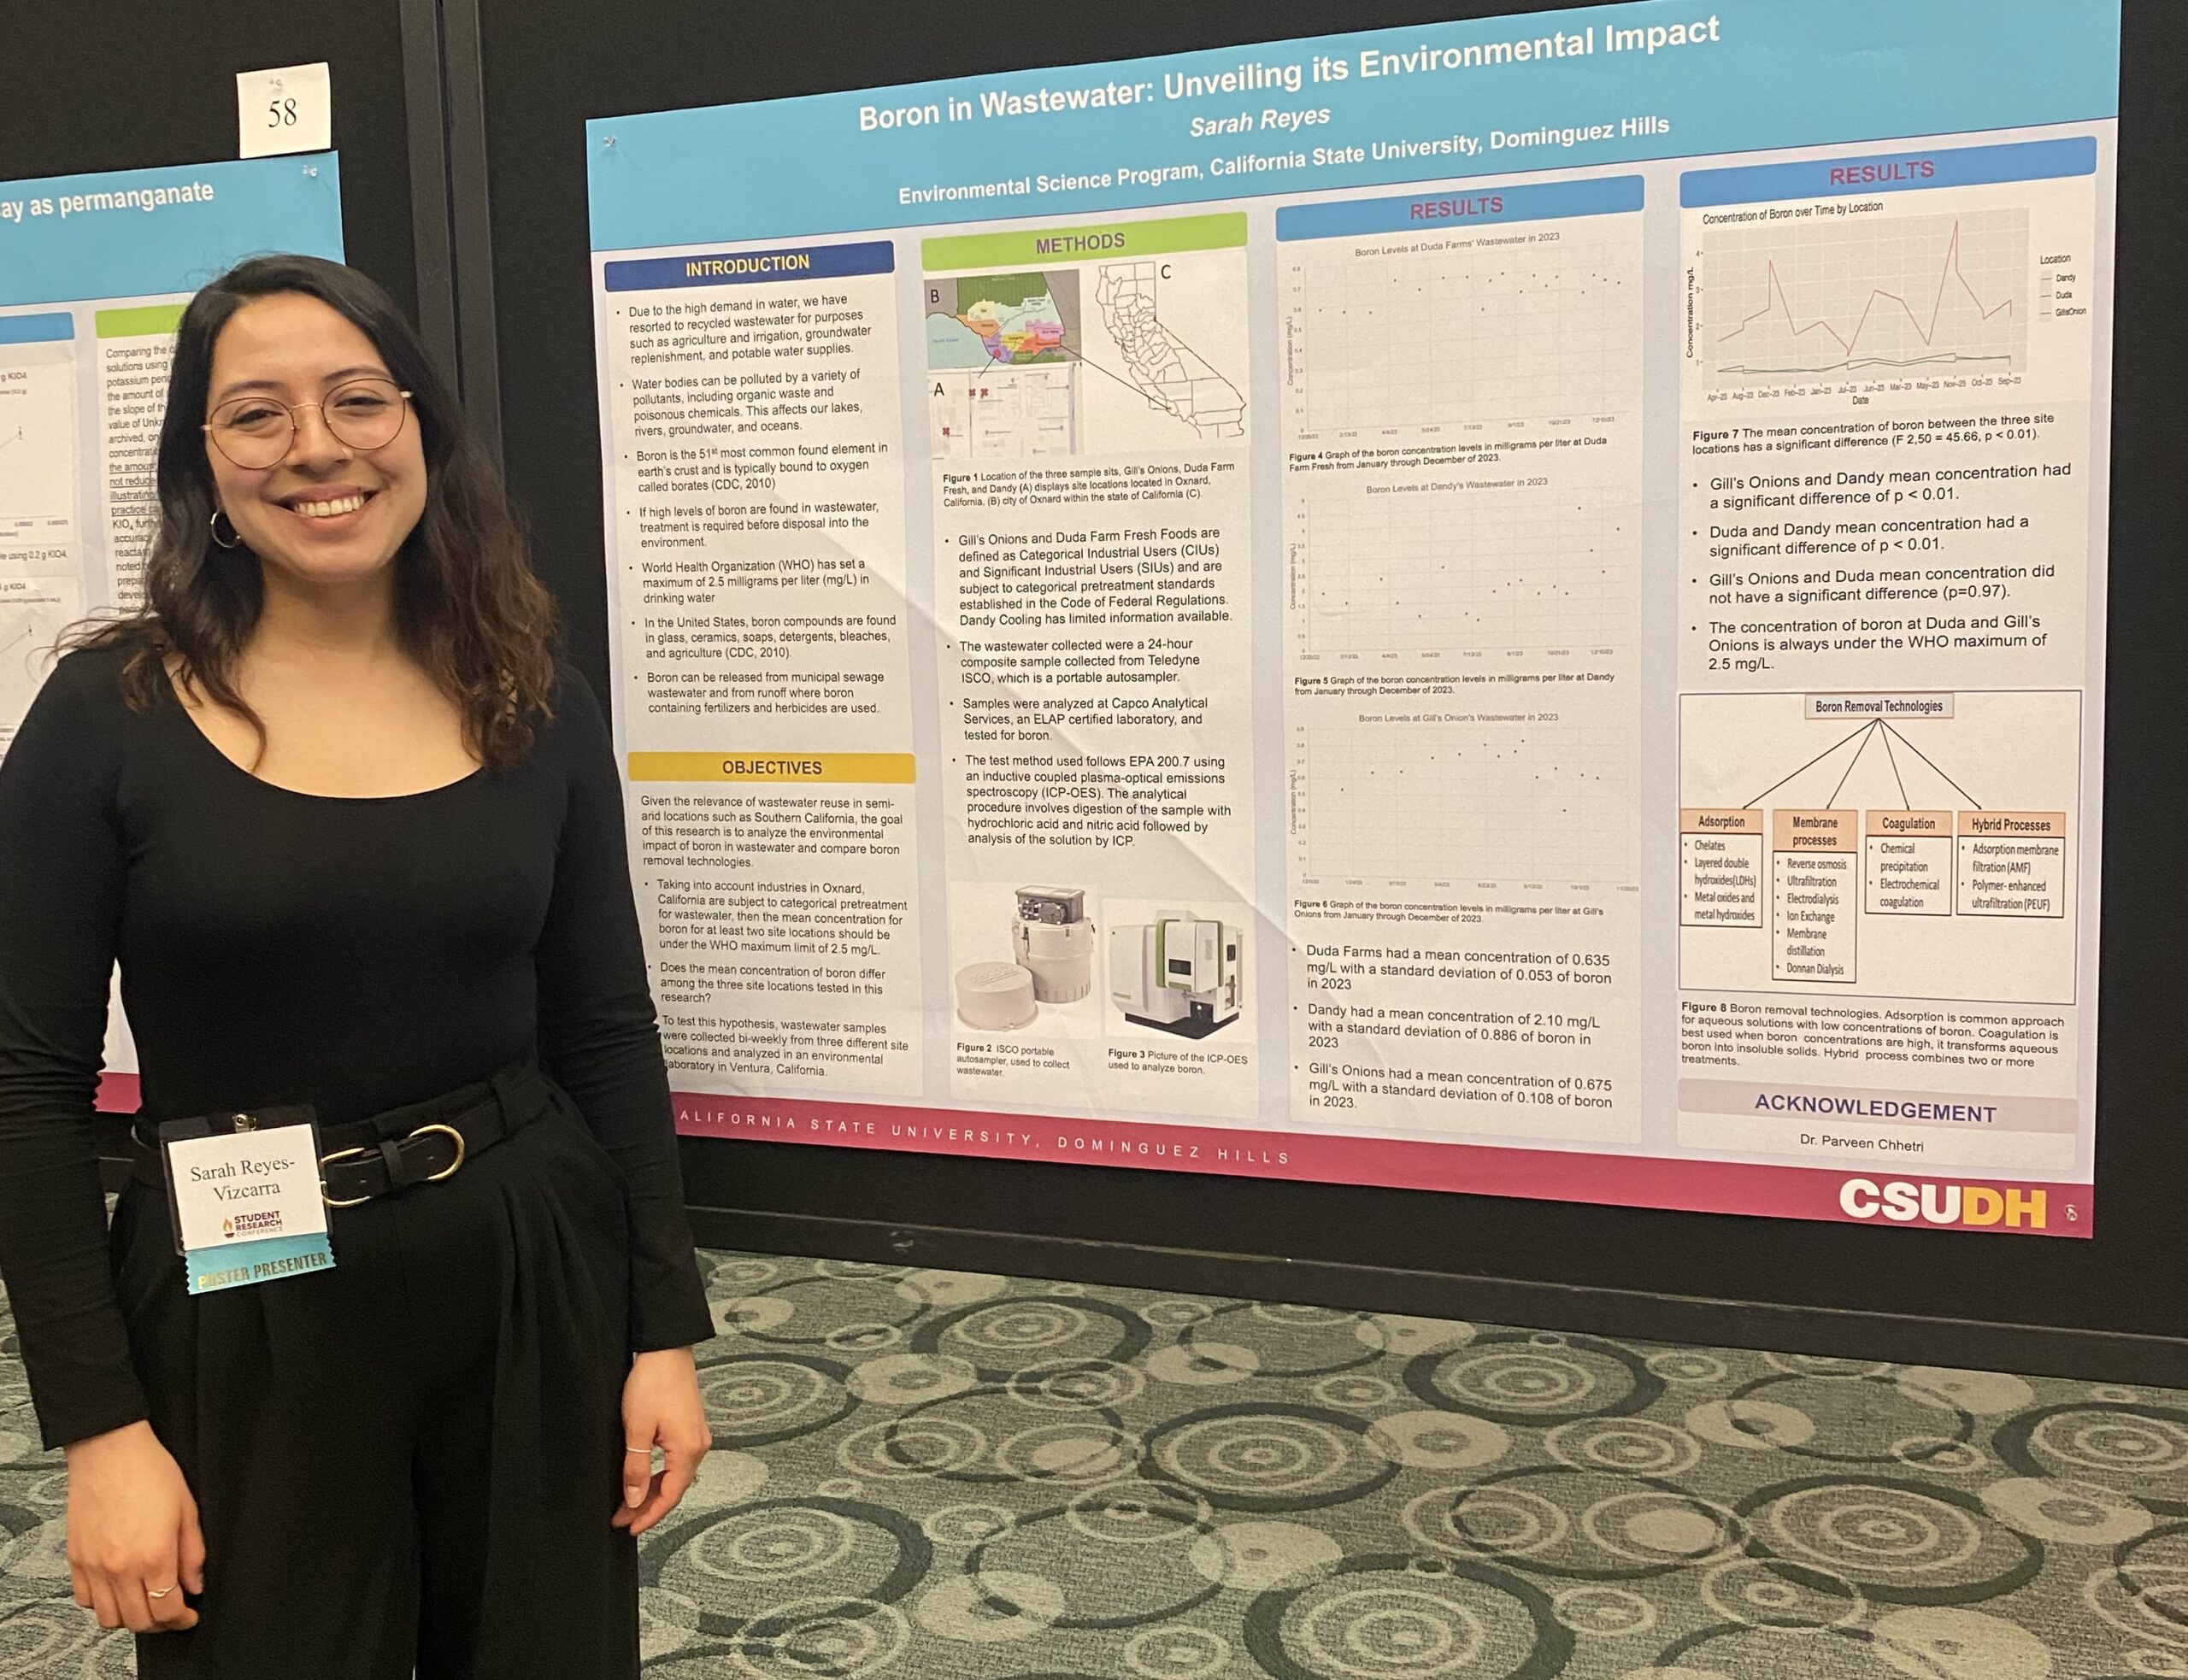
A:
{"points": [[1425, 803], [1866, 297]]}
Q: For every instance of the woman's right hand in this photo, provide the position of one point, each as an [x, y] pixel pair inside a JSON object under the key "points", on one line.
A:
{"points": [[133, 1532]]}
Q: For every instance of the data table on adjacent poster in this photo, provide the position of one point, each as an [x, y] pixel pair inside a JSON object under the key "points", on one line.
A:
{"points": [[1513, 606]]}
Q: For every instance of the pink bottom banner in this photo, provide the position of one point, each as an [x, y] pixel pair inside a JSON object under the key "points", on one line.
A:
{"points": [[1851, 1197], [2021, 1208]]}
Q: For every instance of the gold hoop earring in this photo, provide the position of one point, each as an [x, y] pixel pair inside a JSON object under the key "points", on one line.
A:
{"points": [[213, 524]]}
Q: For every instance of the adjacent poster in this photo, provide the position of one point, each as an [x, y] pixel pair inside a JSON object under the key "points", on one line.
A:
{"points": [[1513, 607], [95, 271]]}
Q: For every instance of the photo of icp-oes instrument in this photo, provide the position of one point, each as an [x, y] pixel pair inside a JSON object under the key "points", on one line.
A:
{"points": [[1179, 974]]}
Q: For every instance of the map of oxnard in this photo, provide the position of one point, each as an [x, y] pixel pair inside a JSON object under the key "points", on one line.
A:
{"points": [[1016, 369], [1002, 320], [1004, 350]]}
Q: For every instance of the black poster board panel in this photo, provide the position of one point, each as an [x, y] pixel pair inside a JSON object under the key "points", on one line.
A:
{"points": [[137, 84]]}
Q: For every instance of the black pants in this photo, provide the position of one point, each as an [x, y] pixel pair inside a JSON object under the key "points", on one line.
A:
{"points": [[412, 1458]]}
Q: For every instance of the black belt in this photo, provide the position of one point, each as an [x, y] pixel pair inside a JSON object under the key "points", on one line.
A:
{"points": [[421, 1143]]}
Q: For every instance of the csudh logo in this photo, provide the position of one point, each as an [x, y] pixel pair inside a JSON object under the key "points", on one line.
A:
{"points": [[250, 1224], [1935, 1204]]}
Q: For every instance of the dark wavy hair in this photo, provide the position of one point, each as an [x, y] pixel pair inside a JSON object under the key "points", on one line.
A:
{"points": [[468, 604]]}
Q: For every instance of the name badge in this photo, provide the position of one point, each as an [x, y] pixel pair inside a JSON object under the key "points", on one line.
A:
{"points": [[247, 1204]]}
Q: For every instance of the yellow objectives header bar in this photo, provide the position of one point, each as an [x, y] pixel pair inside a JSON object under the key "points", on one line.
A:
{"points": [[891, 767]]}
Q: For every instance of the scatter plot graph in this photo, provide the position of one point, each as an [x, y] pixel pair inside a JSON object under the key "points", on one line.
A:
{"points": [[1422, 804], [1867, 298], [1465, 570], [1466, 330], [28, 629], [37, 438], [19, 642]]}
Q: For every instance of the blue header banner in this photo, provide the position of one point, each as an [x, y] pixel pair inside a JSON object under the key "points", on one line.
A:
{"points": [[154, 232], [803, 262], [1602, 85], [1605, 195], [1890, 172], [37, 329]]}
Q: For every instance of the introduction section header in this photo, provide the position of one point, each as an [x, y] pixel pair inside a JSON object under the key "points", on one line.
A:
{"points": [[810, 262]]}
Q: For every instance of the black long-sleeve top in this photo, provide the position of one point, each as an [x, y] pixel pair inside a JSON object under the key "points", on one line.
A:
{"points": [[275, 947]]}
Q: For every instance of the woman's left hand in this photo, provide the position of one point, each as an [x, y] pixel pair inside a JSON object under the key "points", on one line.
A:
{"points": [[661, 1409]]}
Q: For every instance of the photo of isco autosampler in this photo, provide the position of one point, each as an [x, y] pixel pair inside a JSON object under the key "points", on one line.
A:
{"points": [[1052, 952]]}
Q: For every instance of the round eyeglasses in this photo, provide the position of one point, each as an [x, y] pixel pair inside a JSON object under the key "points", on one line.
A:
{"points": [[257, 433]]}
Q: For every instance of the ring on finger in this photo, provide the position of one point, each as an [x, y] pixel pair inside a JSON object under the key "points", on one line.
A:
{"points": [[157, 1592]]}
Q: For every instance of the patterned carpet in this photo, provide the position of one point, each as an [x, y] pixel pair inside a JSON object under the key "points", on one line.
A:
{"points": [[941, 1476]]}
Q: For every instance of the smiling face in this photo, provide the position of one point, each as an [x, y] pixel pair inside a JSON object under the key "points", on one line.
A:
{"points": [[327, 512]]}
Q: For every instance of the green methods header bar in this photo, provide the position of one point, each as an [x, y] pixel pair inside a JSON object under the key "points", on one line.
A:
{"points": [[1080, 244], [145, 322]]}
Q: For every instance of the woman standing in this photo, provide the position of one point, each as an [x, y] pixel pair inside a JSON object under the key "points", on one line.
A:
{"points": [[356, 843]]}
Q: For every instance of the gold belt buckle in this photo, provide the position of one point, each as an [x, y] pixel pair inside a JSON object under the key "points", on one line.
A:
{"points": [[447, 1172]]}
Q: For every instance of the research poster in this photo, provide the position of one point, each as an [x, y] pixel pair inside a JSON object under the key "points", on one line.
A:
{"points": [[1513, 607], [95, 271]]}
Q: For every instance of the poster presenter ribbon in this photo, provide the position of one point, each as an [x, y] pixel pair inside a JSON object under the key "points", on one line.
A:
{"points": [[246, 1203]]}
